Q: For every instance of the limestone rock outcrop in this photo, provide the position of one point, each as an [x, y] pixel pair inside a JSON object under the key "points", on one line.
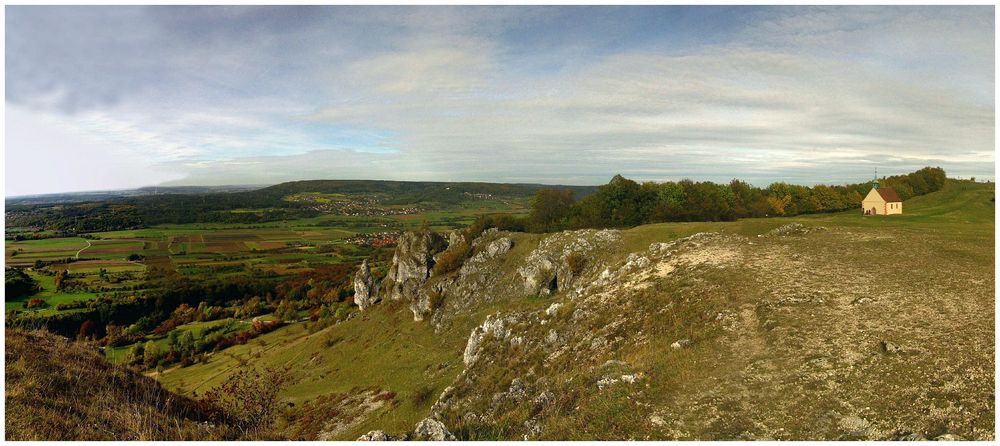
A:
{"points": [[375, 436], [365, 288], [411, 264], [555, 263], [432, 430]]}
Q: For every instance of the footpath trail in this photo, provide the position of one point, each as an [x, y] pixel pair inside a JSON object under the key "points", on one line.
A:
{"points": [[85, 247]]}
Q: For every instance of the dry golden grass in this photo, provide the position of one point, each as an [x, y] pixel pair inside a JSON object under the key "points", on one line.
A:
{"points": [[62, 390]]}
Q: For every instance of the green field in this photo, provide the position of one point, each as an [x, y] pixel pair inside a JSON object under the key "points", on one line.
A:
{"points": [[198, 249], [48, 294]]}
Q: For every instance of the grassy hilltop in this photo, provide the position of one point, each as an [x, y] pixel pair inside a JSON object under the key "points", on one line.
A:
{"points": [[789, 339], [849, 327]]}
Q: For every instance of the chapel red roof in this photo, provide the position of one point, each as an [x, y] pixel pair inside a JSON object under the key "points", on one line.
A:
{"points": [[888, 195]]}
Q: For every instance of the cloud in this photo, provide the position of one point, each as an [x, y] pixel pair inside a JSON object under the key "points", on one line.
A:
{"points": [[558, 95]]}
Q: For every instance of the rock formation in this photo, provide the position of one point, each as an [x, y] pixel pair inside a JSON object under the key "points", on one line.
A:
{"points": [[411, 267], [375, 436], [432, 430], [411, 264], [365, 288]]}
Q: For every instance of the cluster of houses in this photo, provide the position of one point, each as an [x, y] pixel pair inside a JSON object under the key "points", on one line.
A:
{"points": [[376, 239]]}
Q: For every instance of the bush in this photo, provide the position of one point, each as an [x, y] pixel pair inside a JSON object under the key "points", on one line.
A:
{"points": [[452, 258], [249, 399], [502, 222], [421, 395], [576, 262], [35, 302]]}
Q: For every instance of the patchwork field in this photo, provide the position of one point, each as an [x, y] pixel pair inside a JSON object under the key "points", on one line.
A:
{"points": [[282, 247]]}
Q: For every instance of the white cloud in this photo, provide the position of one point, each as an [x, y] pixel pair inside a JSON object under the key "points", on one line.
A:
{"points": [[50, 157], [799, 94]]}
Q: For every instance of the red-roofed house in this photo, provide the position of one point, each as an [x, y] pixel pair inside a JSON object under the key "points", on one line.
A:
{"points": [[882, 201]]}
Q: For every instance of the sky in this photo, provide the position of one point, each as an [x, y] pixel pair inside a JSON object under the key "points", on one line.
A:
{"points": [[101, 98]]}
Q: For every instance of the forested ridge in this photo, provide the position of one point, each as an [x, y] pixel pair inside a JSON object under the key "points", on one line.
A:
{"points": [[624, 203], [254, 206]]}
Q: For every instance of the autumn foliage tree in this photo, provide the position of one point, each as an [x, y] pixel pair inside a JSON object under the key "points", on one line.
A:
{"points": [[549, 209], [624, 203], [249, 399]]}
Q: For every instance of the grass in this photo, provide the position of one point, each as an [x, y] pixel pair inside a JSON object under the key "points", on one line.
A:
{"points": [[197, 329], [48, 294], [405, 354], [58, 390], [938, 255]]}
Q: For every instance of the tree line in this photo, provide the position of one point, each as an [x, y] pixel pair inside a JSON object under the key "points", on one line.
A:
{"points": [[625, 203]]}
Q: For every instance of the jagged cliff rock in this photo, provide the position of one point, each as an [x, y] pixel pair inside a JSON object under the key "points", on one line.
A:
{"points": [[411, 267], [365, 288], [411, 264], [492, 250], [560, 257]]}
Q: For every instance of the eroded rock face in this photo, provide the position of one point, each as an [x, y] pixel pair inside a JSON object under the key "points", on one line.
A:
{"points": [[365, 288], [421, 305], [495, 249], [411, 264], [550, 267], [411, 267], [375, 436], [432, 430], [494, 326]]}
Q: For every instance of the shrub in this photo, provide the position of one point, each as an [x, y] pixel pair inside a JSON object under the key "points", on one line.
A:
{"points": [[452, 258], [421, 395], [436, 299], [249, 399], [576, 262], [35, 302]]}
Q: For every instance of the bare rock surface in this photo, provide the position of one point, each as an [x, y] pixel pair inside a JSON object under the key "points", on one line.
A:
{"points": [[430, 429], [411, 267], [365, 288]]}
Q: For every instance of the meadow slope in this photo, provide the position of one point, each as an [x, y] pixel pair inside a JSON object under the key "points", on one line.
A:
{"points": [[850, 327], [56, 389]]}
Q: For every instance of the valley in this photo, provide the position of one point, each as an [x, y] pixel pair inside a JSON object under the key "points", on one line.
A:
{"points": [[681, 330]]}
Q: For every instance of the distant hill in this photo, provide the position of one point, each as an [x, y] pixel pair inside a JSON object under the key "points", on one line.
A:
{"points": [[77, 197], [61, 390], [188, 205]]}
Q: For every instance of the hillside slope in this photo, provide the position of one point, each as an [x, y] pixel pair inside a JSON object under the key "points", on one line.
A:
{"points": [[846, 327], [56, 389]]}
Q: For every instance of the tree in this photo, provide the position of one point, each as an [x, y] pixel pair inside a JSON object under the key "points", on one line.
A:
{"points": [[150, 354], [137, 352], [173, 339], [620, 203], [60, 279], [549, 209], [86, 328], [777, 205], [249, 399], [186, 342], [18, 283]]}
